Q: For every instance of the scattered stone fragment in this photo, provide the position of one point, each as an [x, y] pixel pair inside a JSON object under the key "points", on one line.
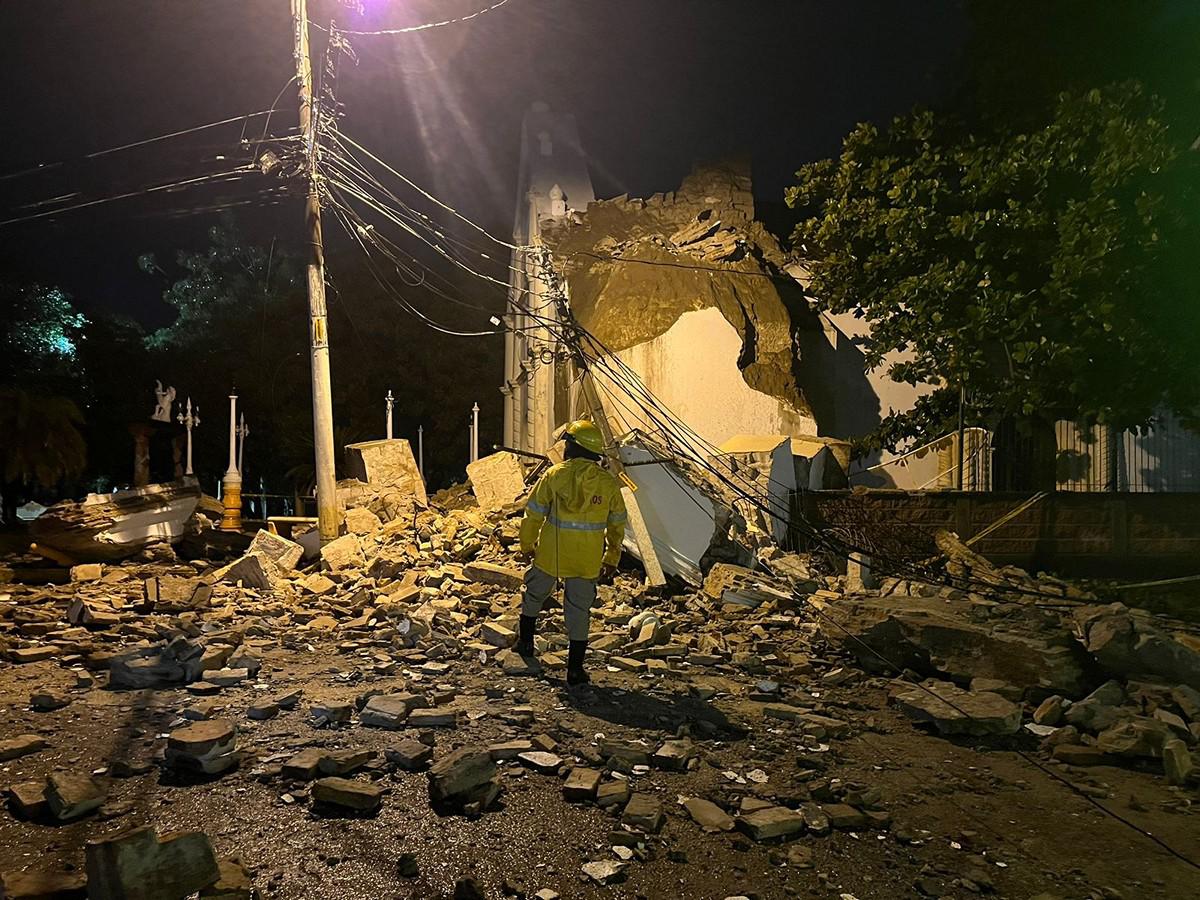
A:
{"points": [[304, 765], [390, 710], [87, 572], [43, 886], [71, 796], [343, 762], [1049, 711], [952, 710], [1079, 755], [139, 864], [772, 822], [208, 747], [433, 718], [359, 796], [464, 778], [708, 815], [21, 745], [675, 755], [284, 553], [491, 573], [509, 749], [605, 871], [581, 785], [541, 761], [263, 710], [643, 811], [1177, 762], [844, 816], [612, 793], [410, 755], [234, 883], [333, 713], [343, 553], [28, 799]]}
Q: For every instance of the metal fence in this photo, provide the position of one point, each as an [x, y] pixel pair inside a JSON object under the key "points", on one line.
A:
{"points": [[1164, 458]]}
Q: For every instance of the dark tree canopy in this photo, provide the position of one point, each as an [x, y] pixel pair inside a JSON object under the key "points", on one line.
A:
{"points": [[1041, 269]]}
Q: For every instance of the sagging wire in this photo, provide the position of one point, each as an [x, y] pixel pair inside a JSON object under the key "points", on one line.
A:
{"points": [[424, 27], [47, 167], [232, 174]]}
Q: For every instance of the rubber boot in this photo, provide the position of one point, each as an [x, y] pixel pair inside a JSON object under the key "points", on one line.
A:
{"points": [[528, 628], [575, 671]]}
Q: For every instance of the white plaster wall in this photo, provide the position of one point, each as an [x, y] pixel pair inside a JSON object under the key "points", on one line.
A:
{"points": [[692, 369]]}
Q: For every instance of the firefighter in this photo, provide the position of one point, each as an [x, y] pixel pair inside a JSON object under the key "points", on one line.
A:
{"points": [[573, 527]]}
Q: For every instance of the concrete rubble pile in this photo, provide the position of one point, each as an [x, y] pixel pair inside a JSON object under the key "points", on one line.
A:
{"points": [[413, 618]]}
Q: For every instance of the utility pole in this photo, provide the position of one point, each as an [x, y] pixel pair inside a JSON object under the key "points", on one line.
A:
{"points": [[322, 394]]}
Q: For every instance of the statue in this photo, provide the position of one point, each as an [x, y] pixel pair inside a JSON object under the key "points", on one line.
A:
{"points": [[162, 412]]}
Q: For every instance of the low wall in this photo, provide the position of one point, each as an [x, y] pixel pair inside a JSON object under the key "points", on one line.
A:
{"points": [[1083, 534]]}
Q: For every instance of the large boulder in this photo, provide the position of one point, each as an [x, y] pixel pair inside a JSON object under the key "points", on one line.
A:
{"points": [[934, 636], [1131, 643]]}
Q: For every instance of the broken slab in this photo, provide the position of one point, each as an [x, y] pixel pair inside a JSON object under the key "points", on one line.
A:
{"points": [[953, 710], [253, 570], [140, 865], [1131, 643], [497, 480], [493, 573], [935, 636], [462, 778], [390, 710], [284, 553], [359, 796], [343, 553], [71, 796], [710, 817], [21, 745], [386, 464], [581, 785], [208, 747], [772, 822], [43, 886], [644, 812], [234, 883]]}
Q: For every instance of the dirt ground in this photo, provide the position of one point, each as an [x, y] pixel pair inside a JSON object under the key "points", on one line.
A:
{"points": [[966, 819]]}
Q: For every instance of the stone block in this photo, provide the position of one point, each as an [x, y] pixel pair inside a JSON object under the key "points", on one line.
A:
{"points": [[386, 464], [343, 762], [71, 796], [87, 572], [139, 865], [252, 570], [463, 777], [709, 816], [492, 573], [498, 635], [343, 553], [497, 480], [284, 553], [304, 765], [612, 793], [390, 710], [410, 755], [540, 761], [952, 710], [1178, 765], [21, 745], [581, 785], [234, 883], [359, 796], [43, 886], [772, 822], [361, 521], [644, 812]]}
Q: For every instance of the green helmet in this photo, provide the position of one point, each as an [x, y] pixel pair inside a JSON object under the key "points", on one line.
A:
{"points": [[586, 435]]}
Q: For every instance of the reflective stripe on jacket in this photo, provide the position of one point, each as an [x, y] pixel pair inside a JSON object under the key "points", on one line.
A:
{"points": [[575, 519]]}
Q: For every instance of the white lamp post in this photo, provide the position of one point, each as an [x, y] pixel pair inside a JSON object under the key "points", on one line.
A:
{"points": [[421, 450], [390, 403], [475, 433], [189, 421]]}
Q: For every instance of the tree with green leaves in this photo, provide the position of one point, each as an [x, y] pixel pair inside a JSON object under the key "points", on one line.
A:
{"points": [[1044, 272]]}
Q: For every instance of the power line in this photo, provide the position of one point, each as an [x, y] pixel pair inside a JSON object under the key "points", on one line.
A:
{"points": [[428, 25]]}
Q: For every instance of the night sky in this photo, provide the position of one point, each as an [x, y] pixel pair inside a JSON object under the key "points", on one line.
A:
{"points": [[655, 84]]}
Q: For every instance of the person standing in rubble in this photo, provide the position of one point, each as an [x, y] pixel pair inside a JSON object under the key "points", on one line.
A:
{"points": [[573, 528]]}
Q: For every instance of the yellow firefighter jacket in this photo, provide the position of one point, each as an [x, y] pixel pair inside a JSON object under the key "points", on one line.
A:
{"points": [[575, 518]]}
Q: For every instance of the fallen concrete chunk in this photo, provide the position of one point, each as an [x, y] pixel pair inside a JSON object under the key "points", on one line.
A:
{"points": [[43, 886], [844, 816], [1130, 644], [934, 636], [253, 570], [410, 755], [644, 812], [233, 884], [28, 799], [581, 785], [284, 553], [708, 815], [361, 521], [462, 778], [87, 572], [952, 710], [605, 871], [433, 718], [674, 755], [208, 747], [21, 745], [304, 765], [772, 822], [496, 480], [343, 762], [1136, 736], [1177, 762], [71, 796], [540, 761], [386, 464], [491, 573], [359, 796], [612, 793], [343, 553], [139, 865]]}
